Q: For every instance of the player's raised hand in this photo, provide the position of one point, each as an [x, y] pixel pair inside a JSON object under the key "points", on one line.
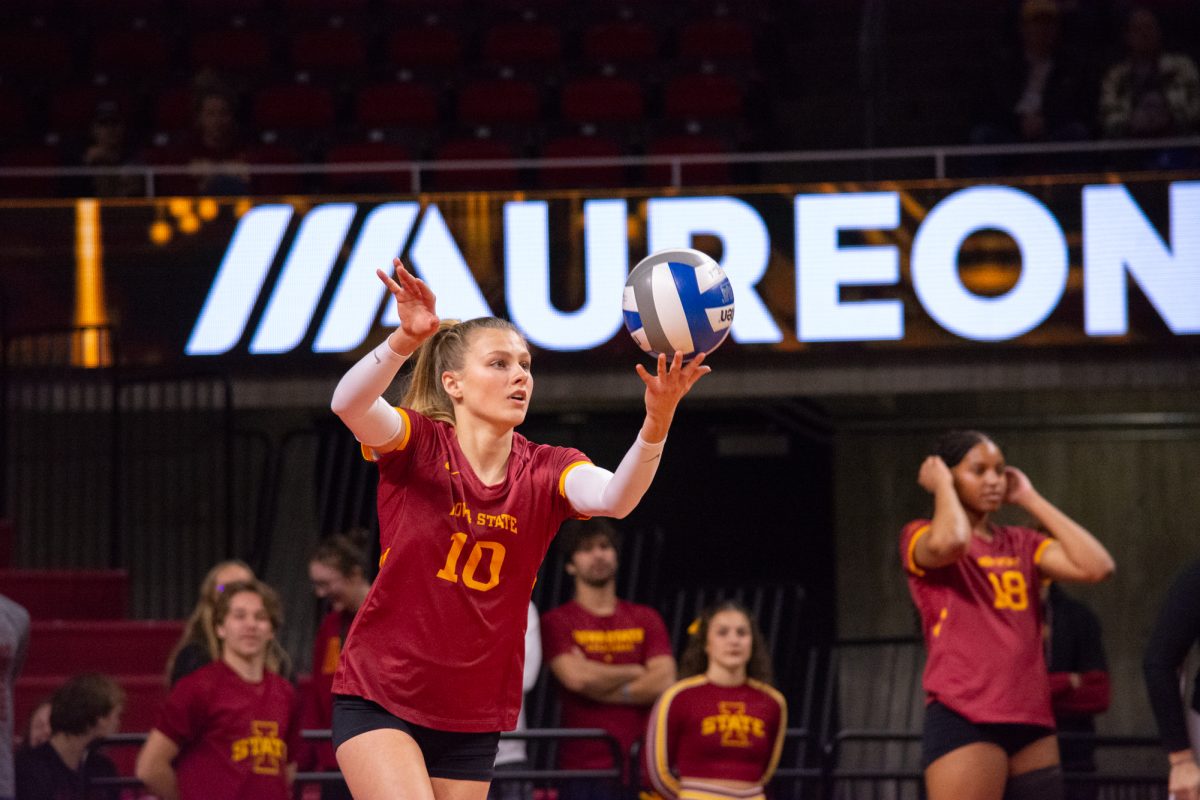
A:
{"points": [[667, 386], [415, 303], [934, 473], [1018, 488]]}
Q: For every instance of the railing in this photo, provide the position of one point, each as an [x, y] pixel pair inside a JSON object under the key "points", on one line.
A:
{"points": [[938, 158]]}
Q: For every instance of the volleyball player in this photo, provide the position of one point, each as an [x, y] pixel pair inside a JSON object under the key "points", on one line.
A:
{"points": [[431, 669], [717, 733], [989, 730]]}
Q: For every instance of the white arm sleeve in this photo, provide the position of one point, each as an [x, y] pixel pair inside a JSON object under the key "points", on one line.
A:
{"points": [[358, 397], [597, 492]]}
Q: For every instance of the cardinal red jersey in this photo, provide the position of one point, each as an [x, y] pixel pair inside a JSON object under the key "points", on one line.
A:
{"points": [[318, 702], [981, 617], [699, 730], [440, 639], [235, 738], [632, 634]]}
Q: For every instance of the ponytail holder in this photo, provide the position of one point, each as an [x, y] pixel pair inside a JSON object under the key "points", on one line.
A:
{"points": [[694, 628]]}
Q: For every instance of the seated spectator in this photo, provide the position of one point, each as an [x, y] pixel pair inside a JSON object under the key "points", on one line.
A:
{"points": [[229, 729], [1037, 93], [213, 148], [38, 730], [199, 644], [83, 711], [109, 147], [1150, 93]]}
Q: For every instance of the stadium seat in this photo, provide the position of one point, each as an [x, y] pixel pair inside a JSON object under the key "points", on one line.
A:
{"points": [[114, 646], [73, 594], [581, 177], [73, 108], [620, 42], [396, 105], [232, 49], [522, 43], [720, 38], [499, 100], [14, 113], [40, 55], [472, 150], [701, 96], [329, 50], [173, 109], [602, 100], [692, 174], [424, 45], [293, 107], [275, 154], [368, 152]]}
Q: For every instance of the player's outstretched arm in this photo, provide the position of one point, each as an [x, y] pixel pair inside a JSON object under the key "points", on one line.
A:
{"points": [[1074, 555], [950, 530], [596, 491], [358, 400]]}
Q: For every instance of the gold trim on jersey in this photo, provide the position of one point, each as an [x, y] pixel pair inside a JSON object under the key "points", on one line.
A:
{"points": [[373, 453], [912, 551], [1041, 549]]}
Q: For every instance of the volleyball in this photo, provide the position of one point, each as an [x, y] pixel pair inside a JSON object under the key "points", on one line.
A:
{"points": [[678, 299]]}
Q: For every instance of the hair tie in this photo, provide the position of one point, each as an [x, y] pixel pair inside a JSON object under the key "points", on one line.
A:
{"points": [[694, 628]]}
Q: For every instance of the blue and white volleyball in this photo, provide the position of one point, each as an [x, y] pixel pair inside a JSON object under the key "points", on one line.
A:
{"points": [[678, 300]]}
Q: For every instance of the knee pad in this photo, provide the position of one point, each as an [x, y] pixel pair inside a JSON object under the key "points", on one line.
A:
{"points": [[1040, 784]]}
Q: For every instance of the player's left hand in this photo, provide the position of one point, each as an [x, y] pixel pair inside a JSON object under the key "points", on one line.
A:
{"points": [[1019, 488], [669, 384]]}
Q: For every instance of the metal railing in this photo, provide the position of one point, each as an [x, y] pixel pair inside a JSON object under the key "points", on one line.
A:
{"points": [[937, 156]]}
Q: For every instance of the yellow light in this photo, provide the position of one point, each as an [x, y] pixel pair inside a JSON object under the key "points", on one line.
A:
{"points": [[242, 207], [179, 206], [189, 223], [160, 232], [207, 209], [91, 345]]}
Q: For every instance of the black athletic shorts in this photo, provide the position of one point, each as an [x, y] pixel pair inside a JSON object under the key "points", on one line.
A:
{"points": [[448, 754], [946, 730]]}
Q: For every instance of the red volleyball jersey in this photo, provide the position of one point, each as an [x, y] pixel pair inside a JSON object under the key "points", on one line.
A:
{"points": [[699, 730], [317, 713], [440, 639], [235, 738], [982, 621], [632, 634]]}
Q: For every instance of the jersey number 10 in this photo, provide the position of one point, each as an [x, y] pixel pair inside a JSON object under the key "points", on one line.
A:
{"points": [[450, 571]]}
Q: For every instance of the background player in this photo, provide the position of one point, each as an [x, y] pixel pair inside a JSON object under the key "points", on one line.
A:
{"points": [[989, 730], [431, 670], [717, 734]]}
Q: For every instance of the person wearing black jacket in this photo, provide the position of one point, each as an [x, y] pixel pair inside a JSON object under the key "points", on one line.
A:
{"points": [[1177, 629]]}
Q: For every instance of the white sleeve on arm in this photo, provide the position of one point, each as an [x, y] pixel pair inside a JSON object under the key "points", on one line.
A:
{"points": [[358, 397], [597, 492]]}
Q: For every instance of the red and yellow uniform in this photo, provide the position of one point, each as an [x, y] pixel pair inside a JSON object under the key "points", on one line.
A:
{"points": [[632, 634], [700, 732], [439, 641], [981, 617], [235, 738], [317, 713]]}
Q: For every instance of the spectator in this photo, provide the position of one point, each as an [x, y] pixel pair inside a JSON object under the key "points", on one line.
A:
{"points": [[38, 730], [1151, 93], [14, 642], [83, 711], [215, 149], [612, 658], [989, 728], [1172, 637], [198, 645], [718, 732], [229, 729], [109, 147], [513, 754], [1079, 685], [338, 571]]}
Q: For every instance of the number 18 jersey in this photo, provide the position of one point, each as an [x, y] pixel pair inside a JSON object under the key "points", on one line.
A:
{"points": [[982, 621], [440, 638]]}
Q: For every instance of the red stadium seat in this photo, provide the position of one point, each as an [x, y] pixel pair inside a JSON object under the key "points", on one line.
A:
{"points": [[67, 647], [693, 174], [701, 96], [173, 109], [368, 153], [602, 100], [396, 105], [73, 108], [328, 49], [277, 183], [716, 39], [31, 186], [620, 42], [130, 51], [13, 112], [68, 593], [234, 49], [500, 100], [39, 54], [424, 45], [581, 177], [293, 107], [522, 43], [473, 150], [325, 6]]}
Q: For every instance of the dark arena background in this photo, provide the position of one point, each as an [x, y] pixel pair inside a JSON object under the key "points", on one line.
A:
{"points": [[179, 296]]}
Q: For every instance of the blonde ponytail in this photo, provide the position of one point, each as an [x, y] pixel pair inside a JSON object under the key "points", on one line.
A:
{"points": [[445, 351]]}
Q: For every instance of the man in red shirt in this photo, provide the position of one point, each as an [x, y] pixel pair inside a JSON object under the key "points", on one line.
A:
{"points": [[612, 658]]}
